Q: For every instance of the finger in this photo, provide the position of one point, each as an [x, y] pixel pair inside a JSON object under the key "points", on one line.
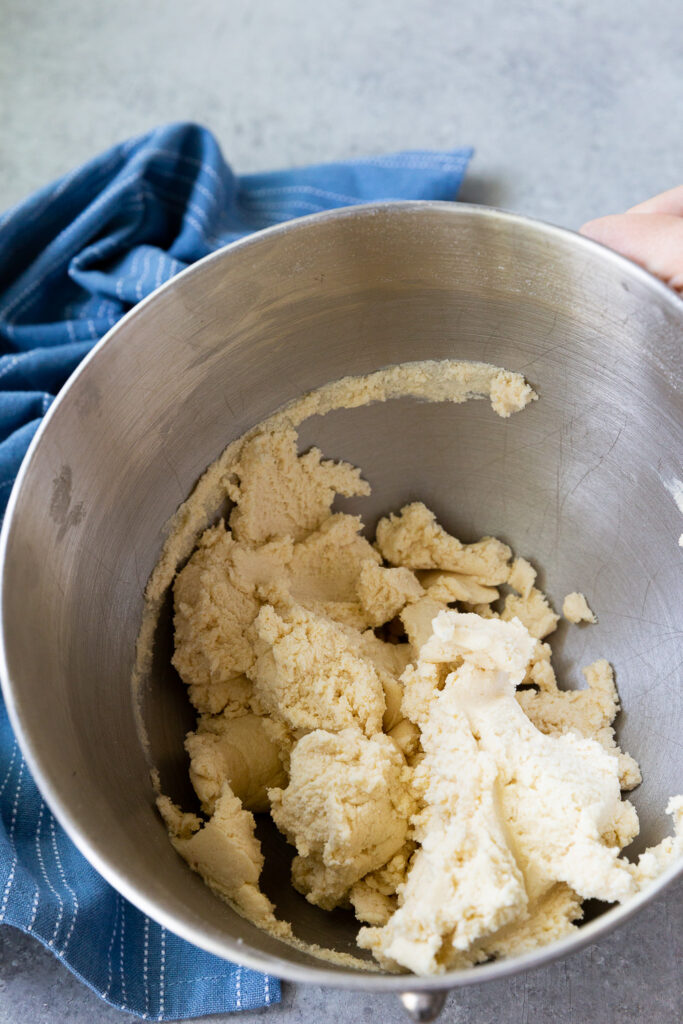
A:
{"points": [[665, 202], [655, 241]]}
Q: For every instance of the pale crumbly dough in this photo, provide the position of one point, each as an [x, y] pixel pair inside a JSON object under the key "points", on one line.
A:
{"points": [[533, 610], [446, 380], [278, 493], [239, 749], [383, 593], [653, 862], [226, 853], [308, 675], [456, 586], [509, 393], [414, 539], [366, 696], [517, 827], [522, 577], [417, 621], [589, 712], [346, 809], [575, 608], [464, 880]]}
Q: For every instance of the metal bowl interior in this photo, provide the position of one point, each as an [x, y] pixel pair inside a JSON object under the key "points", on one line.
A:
{"points": [[580, 482]]}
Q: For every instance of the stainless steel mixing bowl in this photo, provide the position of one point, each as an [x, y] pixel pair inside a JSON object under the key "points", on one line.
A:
{"points": [[581, 482]]}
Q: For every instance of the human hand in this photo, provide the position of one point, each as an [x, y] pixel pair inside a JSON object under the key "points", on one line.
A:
{"points": [[650, 234]]}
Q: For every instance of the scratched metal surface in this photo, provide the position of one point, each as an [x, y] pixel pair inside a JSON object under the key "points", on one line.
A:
{"points": [[578, 482]]}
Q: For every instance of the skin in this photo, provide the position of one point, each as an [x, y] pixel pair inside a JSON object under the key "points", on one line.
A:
{"points": [[650, 234]]}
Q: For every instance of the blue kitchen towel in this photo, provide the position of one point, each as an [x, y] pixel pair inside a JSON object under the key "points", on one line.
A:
{"points": [[73, 259]]}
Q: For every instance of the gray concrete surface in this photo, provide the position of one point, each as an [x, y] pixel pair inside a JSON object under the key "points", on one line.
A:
{"points": [[573, 106], [574, 110], [631, 977]]}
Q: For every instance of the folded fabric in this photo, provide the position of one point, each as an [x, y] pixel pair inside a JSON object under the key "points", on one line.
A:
{"points": [[73, 259]]}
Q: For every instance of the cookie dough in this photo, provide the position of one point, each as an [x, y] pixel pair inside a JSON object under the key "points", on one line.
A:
{"points": [[346, 809], [575, 608], [392, 705], [226, 853]]}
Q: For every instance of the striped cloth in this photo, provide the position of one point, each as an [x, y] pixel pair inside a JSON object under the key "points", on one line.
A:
{"points": [[73, 259]]}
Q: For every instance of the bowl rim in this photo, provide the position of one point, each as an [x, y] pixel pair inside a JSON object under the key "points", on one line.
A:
{"points": [[96, 854]]}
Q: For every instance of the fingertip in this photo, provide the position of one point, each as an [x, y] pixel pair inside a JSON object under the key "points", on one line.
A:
{"points": [[588, 229], [655, 241], [602, 229], [669, 202]]}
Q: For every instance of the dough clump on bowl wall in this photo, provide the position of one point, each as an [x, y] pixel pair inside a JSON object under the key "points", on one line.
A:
{"points": [[392, 705]]}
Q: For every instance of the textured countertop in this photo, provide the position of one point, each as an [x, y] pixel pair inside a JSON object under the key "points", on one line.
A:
{"points": [[571, 108]]}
